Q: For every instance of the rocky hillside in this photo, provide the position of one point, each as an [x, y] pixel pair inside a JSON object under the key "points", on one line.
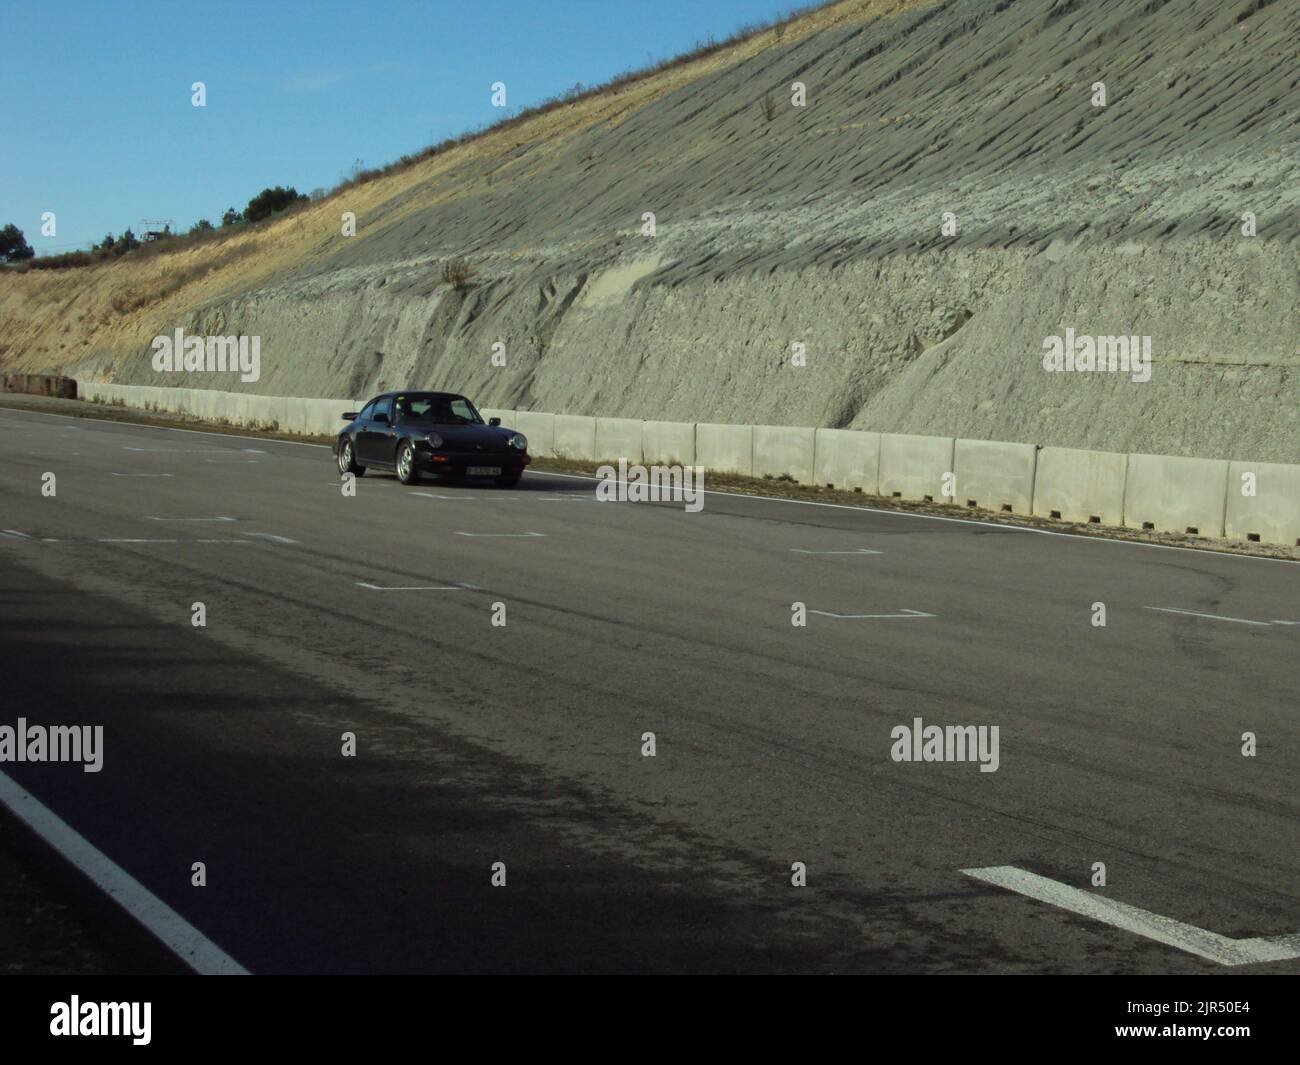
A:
{"points": [[823, 226]]}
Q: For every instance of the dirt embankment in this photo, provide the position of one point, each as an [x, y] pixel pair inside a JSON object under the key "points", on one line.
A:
{"points": [[821, 226]]}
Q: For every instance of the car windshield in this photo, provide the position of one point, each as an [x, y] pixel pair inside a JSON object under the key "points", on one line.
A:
{"points": [[438, 410]]}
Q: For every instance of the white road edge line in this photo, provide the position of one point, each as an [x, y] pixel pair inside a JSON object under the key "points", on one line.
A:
{"points": [[152, 517], [1193, 940], [176, 933], [715, 492], [903, 613], [1212, 617], [412, 588], [855, 551], [513, 536]]}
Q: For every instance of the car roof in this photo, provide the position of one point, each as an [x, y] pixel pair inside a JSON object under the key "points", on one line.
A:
{"points": [[420, 392]]}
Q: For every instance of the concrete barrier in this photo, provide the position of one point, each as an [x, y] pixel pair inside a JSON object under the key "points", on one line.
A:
{"points": [[725, 448], [847, 459], [784, 451], [1272, 514], [39, 384], [1172, 494], [1080, 486], [575, 437], [994, 475], [912, 467], [540, 431], [668, 443], [618, 438]]}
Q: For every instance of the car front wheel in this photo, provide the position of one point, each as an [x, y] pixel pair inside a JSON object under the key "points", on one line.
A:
{"points": [[348, 460], [406, 472]]}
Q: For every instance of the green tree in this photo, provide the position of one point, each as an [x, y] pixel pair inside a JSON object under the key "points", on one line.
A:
{"points": [[201, 226], [231, 217], [13, 245], [271, 201]]}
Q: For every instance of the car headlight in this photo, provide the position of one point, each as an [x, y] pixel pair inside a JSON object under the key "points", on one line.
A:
{"points": [[520, 441], [433, 440]]}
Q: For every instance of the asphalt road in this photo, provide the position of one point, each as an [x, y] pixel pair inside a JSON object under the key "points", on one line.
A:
{"points": [[522, 744]]}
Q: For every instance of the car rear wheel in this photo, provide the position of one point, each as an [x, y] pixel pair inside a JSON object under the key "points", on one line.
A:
{"points": [[348, 460], [406, 471]]}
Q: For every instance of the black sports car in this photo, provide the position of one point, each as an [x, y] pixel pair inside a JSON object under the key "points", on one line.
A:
{"points": [[438, 433]]}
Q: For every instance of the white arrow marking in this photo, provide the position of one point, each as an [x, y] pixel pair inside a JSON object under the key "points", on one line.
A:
{"points": [[904, 613], [412, 587], [857, 551], [1198, 941], [513, 535], [1217, 617]]}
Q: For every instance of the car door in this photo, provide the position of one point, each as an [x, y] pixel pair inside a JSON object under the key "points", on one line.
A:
{"points": [[375, 440]]}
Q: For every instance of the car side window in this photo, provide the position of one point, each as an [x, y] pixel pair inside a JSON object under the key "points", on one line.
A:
{"points": [[384, 406], [366, 411]]}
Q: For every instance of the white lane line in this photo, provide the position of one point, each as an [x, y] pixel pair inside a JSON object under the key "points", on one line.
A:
{"points": [[153, 517], [223, 541], [16, 534], [412, 587], [903, 613], [856, 551], [140, 475], [176, 933], [1210, 945], [133, 541], [940, 517], [434, 495], [270, 538], [181, 450], [516, 536], [1212, 617], [716, 492]]}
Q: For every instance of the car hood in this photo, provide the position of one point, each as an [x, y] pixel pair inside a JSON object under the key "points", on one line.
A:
{"points": [[473, 437]]}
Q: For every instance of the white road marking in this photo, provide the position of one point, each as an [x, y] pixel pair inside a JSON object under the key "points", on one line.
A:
{"points": [[940, 517], [856, 551], [516, 536], [412, 587], [153, 517], [903, 613], [182, 450], [176, 933], [130, 541], [1216, 617], [15, 533], [716, 492], [434, 495], [1211, 945], [270, 537], [140, 475]]}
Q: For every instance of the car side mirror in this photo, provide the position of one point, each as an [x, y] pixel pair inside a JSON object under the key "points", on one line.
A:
{"points": [[494, 421], [351, 416], [381, 419]]}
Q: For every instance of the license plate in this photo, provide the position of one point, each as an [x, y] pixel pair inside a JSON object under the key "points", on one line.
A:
{"points": [[483, 471]]}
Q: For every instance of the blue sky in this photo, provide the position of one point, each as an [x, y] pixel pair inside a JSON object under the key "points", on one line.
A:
{"points": [[98, 127]]}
